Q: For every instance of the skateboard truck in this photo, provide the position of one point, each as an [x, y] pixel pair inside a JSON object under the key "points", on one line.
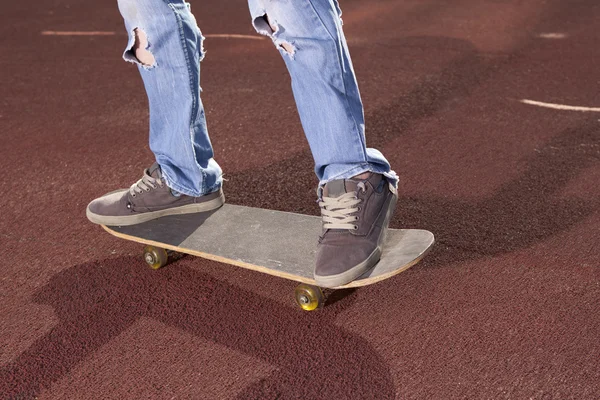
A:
{"points": [[308, 297]]}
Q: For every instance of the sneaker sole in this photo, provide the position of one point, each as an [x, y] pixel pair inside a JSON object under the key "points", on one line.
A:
{"points": [[333, 281], [151, 215]]}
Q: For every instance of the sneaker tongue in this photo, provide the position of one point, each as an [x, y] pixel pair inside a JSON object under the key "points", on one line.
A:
{"points": [[339, 187], [154, 171]]}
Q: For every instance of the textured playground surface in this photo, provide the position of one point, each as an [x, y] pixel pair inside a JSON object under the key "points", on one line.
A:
{"points": [[488, 110]]}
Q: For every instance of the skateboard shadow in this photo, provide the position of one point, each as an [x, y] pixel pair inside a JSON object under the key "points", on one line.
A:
{"points": [[95, 302]]}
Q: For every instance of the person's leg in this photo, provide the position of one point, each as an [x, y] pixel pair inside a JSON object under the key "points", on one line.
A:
{"points": [[165, 34], [357, 187], [166, 45], [310, 38]]}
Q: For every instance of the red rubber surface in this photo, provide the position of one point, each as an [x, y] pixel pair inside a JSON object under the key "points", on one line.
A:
{"points": [[505, 306]]}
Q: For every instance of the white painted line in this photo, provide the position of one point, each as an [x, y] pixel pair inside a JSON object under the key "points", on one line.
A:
{"points": [[560, 106], [78, 33], [552, 35]]}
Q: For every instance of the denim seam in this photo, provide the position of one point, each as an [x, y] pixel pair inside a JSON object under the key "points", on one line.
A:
{"points": [[360, 137], [194, 111]]}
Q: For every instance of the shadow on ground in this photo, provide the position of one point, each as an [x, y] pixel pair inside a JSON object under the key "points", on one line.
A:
{"points": [[95, 302]]}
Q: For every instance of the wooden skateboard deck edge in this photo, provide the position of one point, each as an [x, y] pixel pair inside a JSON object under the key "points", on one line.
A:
{"points": [[270, 271]]}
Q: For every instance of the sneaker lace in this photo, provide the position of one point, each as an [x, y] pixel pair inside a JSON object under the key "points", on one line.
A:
{"points": [[145, 184], [336, 211]]}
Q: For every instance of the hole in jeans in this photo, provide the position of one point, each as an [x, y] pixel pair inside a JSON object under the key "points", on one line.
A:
{"points": [[265, 26], [140, 49]]}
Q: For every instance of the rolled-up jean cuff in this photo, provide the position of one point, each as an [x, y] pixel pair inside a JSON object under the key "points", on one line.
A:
{"points": [[188, 192], [357, 170]]}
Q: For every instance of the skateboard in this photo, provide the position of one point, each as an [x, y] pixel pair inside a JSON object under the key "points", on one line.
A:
{"points": [[277, 243]]}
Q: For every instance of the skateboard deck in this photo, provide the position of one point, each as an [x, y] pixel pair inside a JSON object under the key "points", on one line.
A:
{"points": [[274, 242]]}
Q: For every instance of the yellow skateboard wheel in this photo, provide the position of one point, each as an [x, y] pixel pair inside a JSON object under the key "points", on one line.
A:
{"points": [[309, 297], [155, 257]]}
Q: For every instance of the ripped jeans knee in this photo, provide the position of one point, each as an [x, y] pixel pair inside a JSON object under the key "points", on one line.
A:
{"points": [[139, 52], [158, 26], [272, 29]]}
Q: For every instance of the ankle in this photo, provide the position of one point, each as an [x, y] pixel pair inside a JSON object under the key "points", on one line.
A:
{"points": [[363, 176]]}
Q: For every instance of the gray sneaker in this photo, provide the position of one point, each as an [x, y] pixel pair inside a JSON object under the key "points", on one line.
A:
{"points": [[356, 214], [147, 199]]}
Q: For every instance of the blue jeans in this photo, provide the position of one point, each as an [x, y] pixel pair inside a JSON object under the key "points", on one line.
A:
{"points": [[308, 34]]}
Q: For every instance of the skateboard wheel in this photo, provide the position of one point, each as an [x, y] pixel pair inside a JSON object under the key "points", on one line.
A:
{"points": [[309, 297], [155, 257]]}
